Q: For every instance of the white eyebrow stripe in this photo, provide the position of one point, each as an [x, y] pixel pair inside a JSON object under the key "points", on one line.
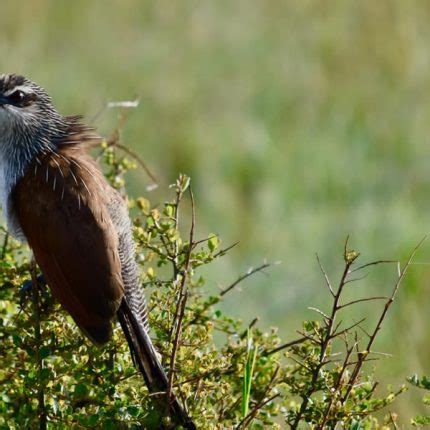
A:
{"points": [[24, 88]]}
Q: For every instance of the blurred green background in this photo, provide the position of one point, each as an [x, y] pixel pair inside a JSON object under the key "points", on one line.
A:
{"points": [[299, 122]]}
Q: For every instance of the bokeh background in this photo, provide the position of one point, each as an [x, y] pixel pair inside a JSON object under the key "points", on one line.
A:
{"points": [[300, 122]]}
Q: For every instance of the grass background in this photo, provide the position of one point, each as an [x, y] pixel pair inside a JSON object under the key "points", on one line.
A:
{"points": [[299, 122]]}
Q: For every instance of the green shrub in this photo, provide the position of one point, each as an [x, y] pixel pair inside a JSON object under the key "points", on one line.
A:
{"points": [[424, 384], [229, 375]]}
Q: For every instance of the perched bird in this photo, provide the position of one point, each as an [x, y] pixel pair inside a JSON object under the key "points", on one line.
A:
{"points": [[56, 199]]}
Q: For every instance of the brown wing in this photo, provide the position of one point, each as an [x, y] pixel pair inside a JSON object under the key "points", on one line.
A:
{"points": [[60, 204]]}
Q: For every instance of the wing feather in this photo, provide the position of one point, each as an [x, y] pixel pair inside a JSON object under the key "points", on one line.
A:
{"points": [[61, 207]]}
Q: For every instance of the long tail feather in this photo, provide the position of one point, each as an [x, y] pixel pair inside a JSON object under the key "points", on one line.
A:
{"points": [[145, 357]]}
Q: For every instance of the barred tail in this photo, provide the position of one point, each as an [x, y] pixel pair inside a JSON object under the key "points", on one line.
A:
{"points": [[145, 357]]}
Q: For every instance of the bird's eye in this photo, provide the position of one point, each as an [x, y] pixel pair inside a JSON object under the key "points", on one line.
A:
{"points": [[17, 97]]}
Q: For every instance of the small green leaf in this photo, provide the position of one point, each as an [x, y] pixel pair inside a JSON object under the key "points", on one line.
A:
{"points": [[44, 352], [213, 242], [81, 390]]}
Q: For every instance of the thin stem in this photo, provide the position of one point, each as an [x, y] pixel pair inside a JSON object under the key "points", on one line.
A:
{"points": [[248, 419], [374, 263], [175, 256], [182, 297], [353, 302], [286, 345], [336, 388], [327, 280], [348, 329], [41, 407], [140, 162], [241, 278], [325, 342], [362, 357], [225, 250]]}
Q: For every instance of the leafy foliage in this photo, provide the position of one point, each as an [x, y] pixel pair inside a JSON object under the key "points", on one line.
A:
{"points": [[423, 383], [227, 374], [317, 112]]}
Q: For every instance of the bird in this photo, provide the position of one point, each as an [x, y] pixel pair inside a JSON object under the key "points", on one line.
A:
{"points": [[56, 199]]}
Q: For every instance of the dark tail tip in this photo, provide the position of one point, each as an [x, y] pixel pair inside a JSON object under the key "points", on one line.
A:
{"points": [[144, 356]]}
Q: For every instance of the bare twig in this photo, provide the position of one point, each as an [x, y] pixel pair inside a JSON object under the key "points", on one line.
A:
{"points": [[223, 292], [363, 330], [327, 281], [175, 253], [182, 298], [349, 257], [250, 325], [262, 404], [316, 341], [367, 299], [374, 263], [225, 250], [140, 162], [241, 278], [348, 329], [301, 364], [285, 346], [326, 317], [360, 278], [115, 138], [176, 343], [355, 372], [336, 393], [346, 380]]}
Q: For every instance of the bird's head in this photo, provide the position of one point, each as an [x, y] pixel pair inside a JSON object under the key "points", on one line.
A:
{"points": [[26, 110]]}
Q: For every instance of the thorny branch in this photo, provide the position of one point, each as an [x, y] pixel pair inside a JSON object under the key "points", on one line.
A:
{"points": [[182, 296], [362, 357], [250, 272], [349, 260], [342, 388], [366, 299], [175, 253], [115, 139], [327, 280], [286, 345], [259, 406], [349, 351]]}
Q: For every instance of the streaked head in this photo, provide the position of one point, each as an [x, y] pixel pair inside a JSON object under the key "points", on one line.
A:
{"points": [[26, 110], [22, 96]]}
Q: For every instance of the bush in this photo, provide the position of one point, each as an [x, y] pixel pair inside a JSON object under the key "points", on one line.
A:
{"points": [[423, 383], [53, 378]]}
